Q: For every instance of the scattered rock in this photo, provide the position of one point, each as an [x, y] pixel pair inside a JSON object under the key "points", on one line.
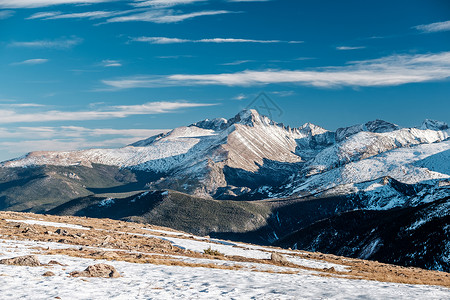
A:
{"points": [[61, 231], [27, 260], [48, 274], [98, 270], [278, 258], [105, 254], [331, 269], [54, 262]]}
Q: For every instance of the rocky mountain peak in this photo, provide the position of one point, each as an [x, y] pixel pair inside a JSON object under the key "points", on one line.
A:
{"points": [[249, 117], [311, 129], [213, 124], [433, 125], [377, 126], [380, 126]]}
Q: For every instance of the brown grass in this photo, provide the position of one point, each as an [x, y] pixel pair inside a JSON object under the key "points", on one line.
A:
{"points": [[120, 235]]}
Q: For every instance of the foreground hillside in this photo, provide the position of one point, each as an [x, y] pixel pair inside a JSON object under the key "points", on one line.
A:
{"points": [[159, 263]]}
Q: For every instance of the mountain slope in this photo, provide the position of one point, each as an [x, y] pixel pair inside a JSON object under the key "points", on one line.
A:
{"points": [[413, 236]]}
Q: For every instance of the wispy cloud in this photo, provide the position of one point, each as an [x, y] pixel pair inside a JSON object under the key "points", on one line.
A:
{"points": [[121, 111], [165, 16], [5, 14], [111, 63], [434, 27], [165, 3], [167, 40], [238, 62], [44, 15], [350, 48], [21, 104], [63, 43], [84, 15], [34, 61], [175, 56], [44, 3], [386, 71], [240, 97]]}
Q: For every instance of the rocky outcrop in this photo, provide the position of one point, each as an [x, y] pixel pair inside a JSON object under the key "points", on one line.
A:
{"points": [[98, 270]]}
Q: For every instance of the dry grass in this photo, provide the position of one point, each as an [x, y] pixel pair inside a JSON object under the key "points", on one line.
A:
{"points": [[125, 238]]}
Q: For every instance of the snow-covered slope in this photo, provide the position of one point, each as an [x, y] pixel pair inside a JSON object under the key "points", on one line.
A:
{"points": [[157, 263]]}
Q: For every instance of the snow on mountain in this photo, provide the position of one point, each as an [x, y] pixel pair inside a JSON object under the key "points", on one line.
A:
{"points": [[398, 163], [239, 155], [371, 126], [433, 125]]}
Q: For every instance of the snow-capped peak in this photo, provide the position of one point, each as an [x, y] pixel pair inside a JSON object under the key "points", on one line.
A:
{"points": [[311, 129], [433, 125], [249, 117], [378, 126], [213, 124]]}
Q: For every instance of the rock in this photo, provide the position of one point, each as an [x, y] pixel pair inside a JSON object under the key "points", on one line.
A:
{"points": [[98, 270], [27, 260], [278, 258], [105, 254], [48, 274], [61, 231], [54, 262]]}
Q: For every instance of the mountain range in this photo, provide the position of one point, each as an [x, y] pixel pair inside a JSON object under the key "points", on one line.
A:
{"points": [[377, 190]]}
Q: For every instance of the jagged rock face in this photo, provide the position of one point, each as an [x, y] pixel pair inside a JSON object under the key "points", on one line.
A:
{"points": [[371, 126], [252, 155], [434, 125]]}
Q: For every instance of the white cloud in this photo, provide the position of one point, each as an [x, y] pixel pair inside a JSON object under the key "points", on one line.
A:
{"points": [[238, 62], [165, 16], [44, 3], [89, 14], [240, 97], [63, 43], [386, 71], [166, 40], [92, 15], [349, 48], [120, 111], [43, 15], [34, 61], [111, 63], [175, 56], [434, 27], [164, 3], [21, 105], [5, 14]]}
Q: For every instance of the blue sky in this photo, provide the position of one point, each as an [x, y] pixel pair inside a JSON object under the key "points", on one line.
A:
{"points": [[102, 73]]}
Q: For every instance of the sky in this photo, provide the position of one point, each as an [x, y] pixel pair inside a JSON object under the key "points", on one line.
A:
{"points": [[78, 74]]}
